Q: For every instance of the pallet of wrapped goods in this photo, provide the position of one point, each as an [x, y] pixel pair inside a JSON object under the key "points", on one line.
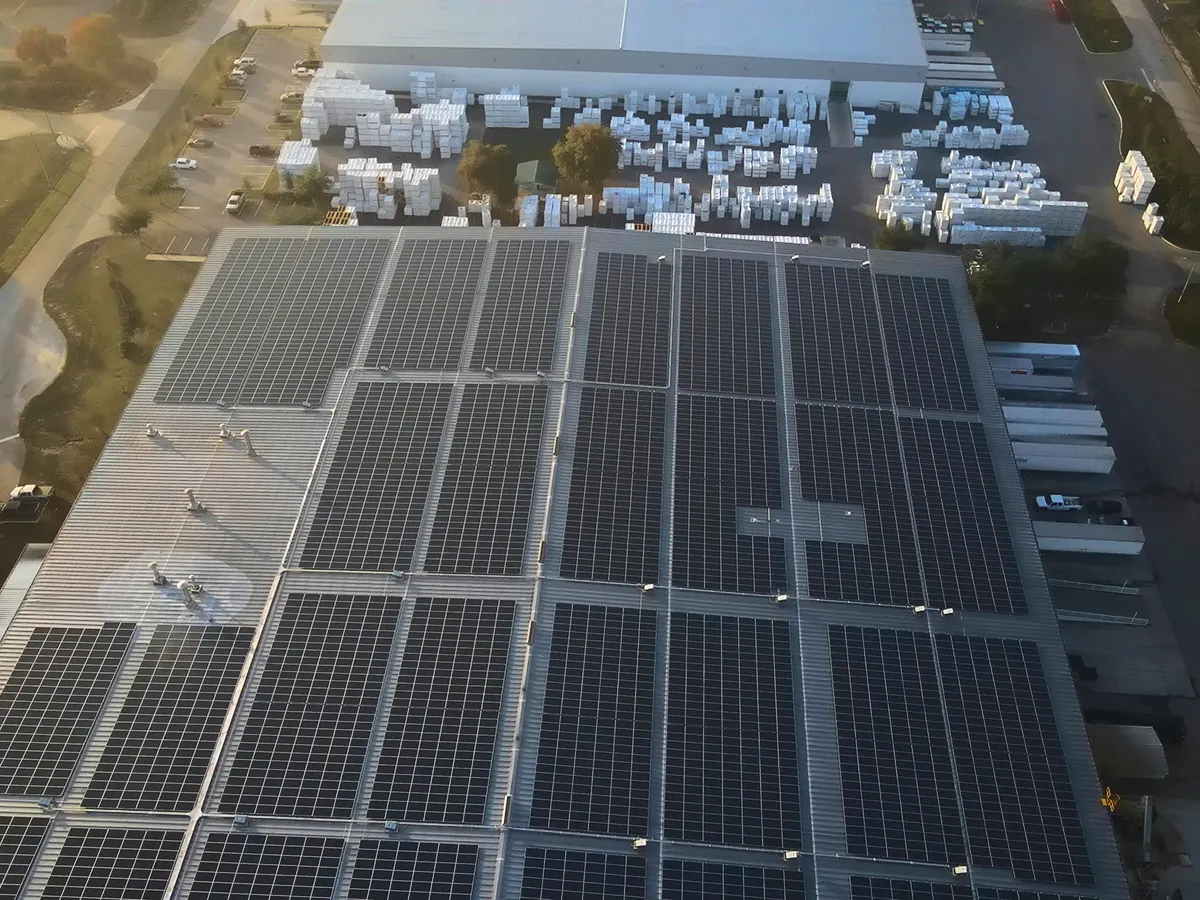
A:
{"points": [[672, 222], [506, 109], [422, 86], [552, 211], [528, 216], [885, 162], [455, 222]]}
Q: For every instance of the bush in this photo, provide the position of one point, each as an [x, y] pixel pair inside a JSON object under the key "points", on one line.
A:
{"points": [[131, 220], [587, 156], [897, 238], [490, 169], [40, 46], [96, 41]]}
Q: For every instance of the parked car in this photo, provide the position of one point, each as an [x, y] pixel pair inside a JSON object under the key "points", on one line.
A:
{"points": [[264, 150], [291, 97], [235, 80], [209, 121], [246, 63], [237, 199], [199, 142], [183, 162], [31, 492], [1103, 507], [1058, 502], [307, 64], [302, 72]]}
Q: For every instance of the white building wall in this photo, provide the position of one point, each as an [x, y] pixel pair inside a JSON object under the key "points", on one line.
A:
{"points": [[542, 82]]}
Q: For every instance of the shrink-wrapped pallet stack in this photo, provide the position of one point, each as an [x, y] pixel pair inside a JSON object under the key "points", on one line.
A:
{"points": [[449, 124], [800, 105], [1000, 109], [758, 163], [422, 86], [1134, 180], [332, 99], [648, 196], [672, 222], [296, 158], [528, 216], [885, 163], [455, 222], [1151, 220], [1051, 218], [677, 127], [554, 120], [797, 160], [422, 190], [362, 182], [904, 201], [506, 109], [632, 127], [633, 154], [552, 211]]}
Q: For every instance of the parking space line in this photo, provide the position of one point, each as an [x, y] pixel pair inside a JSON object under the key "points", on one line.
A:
{"points": [[167, 249]]}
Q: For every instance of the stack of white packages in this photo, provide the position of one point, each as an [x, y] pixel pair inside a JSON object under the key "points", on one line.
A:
{"points": [[1013, 135], [648, 196], [929, 137], [455, 222], [566, 101], [885, 163], [334, 99], [794, 160], [528, 216], [506, 109], [449, 123], [1134, 180], [825, 202], [589, 115], [422, 86], [1151, 220], [970, 233], [366, 125], [927, 222], [716, 162], [938, 103], [552, 211], [296, 158], [554, 120], [800, 105], [362, 182], [904, 198], [679, 128], [861, 123], [630, 126], [1000, 109], [635, 155], [408, 133], [958, 104], [422, 190], [1053, 218], [681, 155], [672, 222], [758, 163], [348, 141]]}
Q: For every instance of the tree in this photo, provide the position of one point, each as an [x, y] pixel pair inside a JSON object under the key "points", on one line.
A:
{"points": [[896, 238], [267, 15], [40, 46], [96, 41], [311, 185], [242, 26], [1091, 266], [490, 169], [131, 220], [587, 156], [157, 181]]}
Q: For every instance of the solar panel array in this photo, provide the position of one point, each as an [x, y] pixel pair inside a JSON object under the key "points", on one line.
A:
{"points": [[163, 740], [630, 324], [243, 866], [687, 879], [411, 870], [280, 316], [519, 324], [20, 839], [579, 875], [873, 888], [116, 863]]}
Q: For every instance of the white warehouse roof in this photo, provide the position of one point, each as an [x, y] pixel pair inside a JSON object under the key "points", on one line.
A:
{"points": [[866, 31]]}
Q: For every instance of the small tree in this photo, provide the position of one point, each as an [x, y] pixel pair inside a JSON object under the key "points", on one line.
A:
{"points": [[587, 156], [896, 238], [130, 221], [157, 181], [40, 46], [490, 169], [242, 27], [267, 15], [311, 185], [1091, 265], [96, 41]]}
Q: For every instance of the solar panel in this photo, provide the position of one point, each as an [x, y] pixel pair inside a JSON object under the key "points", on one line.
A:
{"points": [[689, 879], [436, 759], [837, 348], [863, 887], [614, 515], [989, 893], [113, 864], [593, 764], [370, 508], [305, 739], [897, 778], [51, 701], [732, 768], [852, 456], [725, 336], [20, 839], [266, 867], [726, 462], [966, 547], [280, 316], [1006, 749], [578, 875], [427, 307], [519, 325], [629, 330], [483, 508], [167, 731], [408, 870], [924, 344]]}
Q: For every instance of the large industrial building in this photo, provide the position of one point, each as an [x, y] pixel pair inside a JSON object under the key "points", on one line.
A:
{"points": [[460, 564], [869, 50]]}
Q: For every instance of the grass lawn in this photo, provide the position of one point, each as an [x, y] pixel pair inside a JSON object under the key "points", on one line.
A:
{"points": [[1184, 34], [1148, 123], [156, 18], [175, 127], [69, 87], [28, 204], [113, 306], [1100, 25], [1183, 313]]}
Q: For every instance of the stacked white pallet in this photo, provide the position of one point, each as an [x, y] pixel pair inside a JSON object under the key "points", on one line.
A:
{"points": [[422, 86], [777, 131], [296, 158], [679, 128], [566, 101], [408, 133], [927, 222], [648, 196], [904, 197], [589, 115], [528, 216], [552, 211], [366, 125], [795, 160], [801, 105], [1055, 218], [957, 105], [554, 120], [768, 107], [681, 155], [1013, 135], [885, 163], [449, 124], [716, 162], [312, 128], [348, 140], [925, 138], [968, 233], [422, 190], [506, 109], [825, 202], [672, 222], [1014, 190], [861, 122], [633, 127], [361, 183], [739, 137], [1151, 220], [758, 163], [1000, 109], [455, 222], [635, 155], [342, 98], [1134, 180]]}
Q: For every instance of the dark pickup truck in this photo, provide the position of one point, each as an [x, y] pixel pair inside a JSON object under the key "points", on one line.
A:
{"points": [[264, 150]]}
